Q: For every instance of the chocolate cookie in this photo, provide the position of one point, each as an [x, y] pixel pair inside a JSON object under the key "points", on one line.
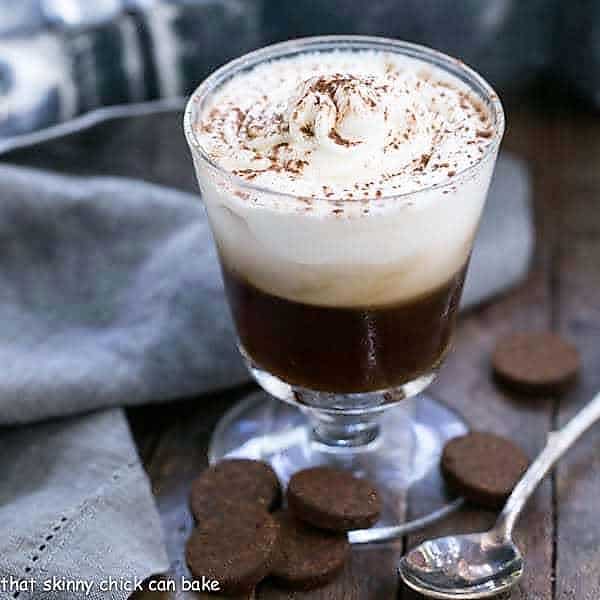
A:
{"points": [[248, 481], [306, 557], [536, 362], [233, 546], [333, 499], [483, 467]]}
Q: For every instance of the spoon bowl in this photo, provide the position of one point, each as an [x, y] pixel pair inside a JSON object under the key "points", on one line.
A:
{"points": [[475, 565]]}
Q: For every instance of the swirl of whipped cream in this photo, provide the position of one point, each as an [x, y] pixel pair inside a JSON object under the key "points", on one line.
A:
{"points": [[345, 126], [340, 116]]}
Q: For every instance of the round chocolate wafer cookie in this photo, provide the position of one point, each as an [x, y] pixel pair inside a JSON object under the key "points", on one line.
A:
{"points": [[483, 467], [250, 481], [233, 546], [333, 499], [306, 557], [536, 362]]}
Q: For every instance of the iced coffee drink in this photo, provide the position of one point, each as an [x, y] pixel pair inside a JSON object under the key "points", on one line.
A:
{"points": [[345, 225], [344, 178]]}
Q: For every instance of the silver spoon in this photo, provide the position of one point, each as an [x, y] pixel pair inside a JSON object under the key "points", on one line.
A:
{"points": [[480, 565]]}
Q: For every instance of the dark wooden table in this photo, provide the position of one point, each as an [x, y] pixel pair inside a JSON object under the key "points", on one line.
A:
{"points": [[559, 533]]}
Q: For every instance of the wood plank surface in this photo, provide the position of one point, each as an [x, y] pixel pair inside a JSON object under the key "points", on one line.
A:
{"points": [[559, 532], [577, 206]]}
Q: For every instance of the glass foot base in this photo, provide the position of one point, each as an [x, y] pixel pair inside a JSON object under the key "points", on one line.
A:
{"points": [[403, 460]]}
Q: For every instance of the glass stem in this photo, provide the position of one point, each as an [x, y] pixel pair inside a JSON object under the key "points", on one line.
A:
{"points": [[343, 431]]}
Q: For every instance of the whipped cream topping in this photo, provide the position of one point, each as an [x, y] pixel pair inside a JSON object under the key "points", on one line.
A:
{"points": [[345, 125], [343, 133]]}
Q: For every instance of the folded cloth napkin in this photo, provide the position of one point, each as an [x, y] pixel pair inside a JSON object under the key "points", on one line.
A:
{"points": [[75, 510], [110, 295]]}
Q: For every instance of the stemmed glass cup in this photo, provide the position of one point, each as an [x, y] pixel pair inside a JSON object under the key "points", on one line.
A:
{"points": [[350, 371]]}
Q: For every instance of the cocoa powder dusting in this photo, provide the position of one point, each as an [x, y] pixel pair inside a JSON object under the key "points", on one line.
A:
{"points": [[339, 140]]}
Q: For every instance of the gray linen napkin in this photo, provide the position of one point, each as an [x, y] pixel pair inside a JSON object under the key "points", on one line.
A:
{"points": [[110, 295], [75, 505]]}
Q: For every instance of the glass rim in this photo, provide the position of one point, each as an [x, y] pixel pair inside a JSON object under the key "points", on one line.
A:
{"points": [[447, 63]]}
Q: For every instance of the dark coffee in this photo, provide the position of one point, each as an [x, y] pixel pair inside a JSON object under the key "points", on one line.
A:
{"points": [[344, 350]]}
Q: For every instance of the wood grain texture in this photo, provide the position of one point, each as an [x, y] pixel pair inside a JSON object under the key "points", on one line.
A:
{"points": [[578, 287], [369, 574]]}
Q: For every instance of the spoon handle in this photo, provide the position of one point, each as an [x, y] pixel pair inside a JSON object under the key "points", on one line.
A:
{"points": [[558, 443]]}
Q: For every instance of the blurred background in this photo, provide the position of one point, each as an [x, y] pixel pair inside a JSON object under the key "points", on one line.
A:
{"points": [[62, 58]]}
